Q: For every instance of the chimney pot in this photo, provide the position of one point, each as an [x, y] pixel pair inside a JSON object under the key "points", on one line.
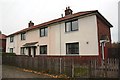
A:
{"points": [[68, 11], [30, 24], [68, 7]]}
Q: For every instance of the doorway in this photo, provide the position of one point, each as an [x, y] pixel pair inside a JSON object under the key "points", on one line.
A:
{"points": [[29, 51]]}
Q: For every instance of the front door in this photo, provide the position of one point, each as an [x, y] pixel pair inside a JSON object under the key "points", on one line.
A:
{"points": [[29, 51]]}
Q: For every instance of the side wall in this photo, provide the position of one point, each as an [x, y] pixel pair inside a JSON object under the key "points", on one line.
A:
{"points": [[103, 29]]}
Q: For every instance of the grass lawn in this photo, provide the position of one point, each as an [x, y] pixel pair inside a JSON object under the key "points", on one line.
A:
{"points": [[81, 71]]}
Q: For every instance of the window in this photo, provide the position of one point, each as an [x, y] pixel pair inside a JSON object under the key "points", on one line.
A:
{"points": [[68, 26], [43, 32], [22, 36], [11, 50], [74, 25], [11, 38], [22, 50], [46, 31], [71, 26], [43, 49], [72, 48]]}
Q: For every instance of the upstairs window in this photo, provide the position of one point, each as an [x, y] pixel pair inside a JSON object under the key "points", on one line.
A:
{"points": [[11, 50], [11, 38], [71, 26], [43, 49], [22, 36], [43, 32], [72, 48]]}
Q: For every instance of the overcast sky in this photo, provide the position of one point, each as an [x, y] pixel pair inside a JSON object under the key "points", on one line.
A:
{"points": [[15, 14]]}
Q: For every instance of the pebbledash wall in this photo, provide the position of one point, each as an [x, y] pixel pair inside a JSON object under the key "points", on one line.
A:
{"points": [[57, 38]]}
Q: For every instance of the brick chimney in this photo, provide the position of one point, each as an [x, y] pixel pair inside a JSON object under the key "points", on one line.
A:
{"points": [[30, 24], [68, 11]]}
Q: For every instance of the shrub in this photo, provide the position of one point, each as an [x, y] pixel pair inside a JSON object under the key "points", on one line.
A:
{"points": [[7, 54]]}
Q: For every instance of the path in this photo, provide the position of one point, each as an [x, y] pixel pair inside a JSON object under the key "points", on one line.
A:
{"points": [[14, 72]]}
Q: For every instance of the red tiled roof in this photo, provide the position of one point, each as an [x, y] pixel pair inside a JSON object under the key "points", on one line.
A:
{"points": [[2, 36], [62, 19]]}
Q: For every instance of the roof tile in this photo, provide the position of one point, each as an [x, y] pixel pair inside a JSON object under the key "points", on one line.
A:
{"points": [[55, 21]]}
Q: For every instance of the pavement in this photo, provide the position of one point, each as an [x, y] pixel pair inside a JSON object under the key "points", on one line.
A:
{"points": [[15, 72]]}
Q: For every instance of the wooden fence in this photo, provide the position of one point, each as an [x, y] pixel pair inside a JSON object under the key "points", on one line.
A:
{"points": [[70, 66]]}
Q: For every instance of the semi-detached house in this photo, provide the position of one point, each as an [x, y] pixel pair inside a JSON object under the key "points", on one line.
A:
{"points": [[77, 34]]}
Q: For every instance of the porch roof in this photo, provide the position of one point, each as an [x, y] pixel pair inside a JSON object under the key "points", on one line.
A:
{"points": [[32, 44]]}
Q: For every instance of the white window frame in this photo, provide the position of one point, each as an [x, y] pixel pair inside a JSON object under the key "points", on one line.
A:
{"points": [[44, 31], [43, 46], [23, 36], [72, 49], [11, 39], [69, 25], [11, 50]]}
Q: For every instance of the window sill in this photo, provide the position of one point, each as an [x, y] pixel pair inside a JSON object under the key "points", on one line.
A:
{"points": [[43, 36], [23, 54], [71, 31], [23, 40], [43, 54], [72, 55]]}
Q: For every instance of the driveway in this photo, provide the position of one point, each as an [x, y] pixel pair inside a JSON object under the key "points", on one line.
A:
{"points": [[14, 72]]}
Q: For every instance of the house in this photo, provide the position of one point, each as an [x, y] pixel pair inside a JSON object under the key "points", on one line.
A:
{"points": [[77, 34], [2, 43]]}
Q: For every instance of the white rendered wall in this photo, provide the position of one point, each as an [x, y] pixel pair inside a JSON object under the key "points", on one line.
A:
{"points": [[57, 38]]}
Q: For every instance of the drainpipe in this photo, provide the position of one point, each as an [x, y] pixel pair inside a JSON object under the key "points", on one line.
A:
{"points": [[60, 39], [60, 51], [103, 53], [103, 42]]}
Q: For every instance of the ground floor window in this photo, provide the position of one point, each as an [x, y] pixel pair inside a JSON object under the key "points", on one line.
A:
{"points": [[11, 50], [43, 49], [72, 48], [22, 50]]}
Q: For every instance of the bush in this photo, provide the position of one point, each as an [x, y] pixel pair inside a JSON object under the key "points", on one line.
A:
{"points": [[7, 54], [81, 71]]}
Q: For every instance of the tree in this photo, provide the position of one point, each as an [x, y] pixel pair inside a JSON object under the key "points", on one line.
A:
{"points": [[115, 45]]}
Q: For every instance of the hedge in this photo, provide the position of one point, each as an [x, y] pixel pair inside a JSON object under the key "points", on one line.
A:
{"points": [[7, 54]]}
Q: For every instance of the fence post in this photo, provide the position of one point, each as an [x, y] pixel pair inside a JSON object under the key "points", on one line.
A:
{"points": [[38, 63], [64, 65], [90, 69], [119, 68], [105, 67], [60, 65], [72, 67], [95, 67]]}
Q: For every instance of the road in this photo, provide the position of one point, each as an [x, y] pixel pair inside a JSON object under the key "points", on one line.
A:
{"points": [[14, 72]]}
